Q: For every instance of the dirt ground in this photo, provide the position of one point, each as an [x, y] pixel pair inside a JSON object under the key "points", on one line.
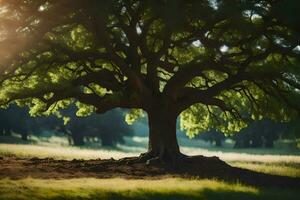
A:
{"points": [[193, 167]]}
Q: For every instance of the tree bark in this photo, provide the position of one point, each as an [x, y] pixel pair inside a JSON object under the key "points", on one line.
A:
{"points": [[163, 143]]}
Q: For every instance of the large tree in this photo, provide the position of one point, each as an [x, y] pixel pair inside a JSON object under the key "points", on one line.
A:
{"points": [[210, 61]]}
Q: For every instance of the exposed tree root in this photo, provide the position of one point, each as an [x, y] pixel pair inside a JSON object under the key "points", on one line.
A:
{"points": [[152, 158]]}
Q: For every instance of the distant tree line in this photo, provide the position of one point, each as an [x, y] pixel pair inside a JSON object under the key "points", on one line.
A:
{"points": [[213, 137], [258, 134], [261, 133], [15, 120], [108, 129]]}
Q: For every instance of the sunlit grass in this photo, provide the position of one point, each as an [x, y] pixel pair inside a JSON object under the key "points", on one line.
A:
{"points": [[282, 169], [57, 152], [166, 189], [135, 189], [245, 157], [69, 152], [275, 161], [271, 164]]}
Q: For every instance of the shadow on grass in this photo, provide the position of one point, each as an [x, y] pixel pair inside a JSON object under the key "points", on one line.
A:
{"points": [[140, 194], [192, 167], [194, 195], [208, 194]]}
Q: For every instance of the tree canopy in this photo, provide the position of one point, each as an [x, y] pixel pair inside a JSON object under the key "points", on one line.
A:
{"points": [[214, 62]]}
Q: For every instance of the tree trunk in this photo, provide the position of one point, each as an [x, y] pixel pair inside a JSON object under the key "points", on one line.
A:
{"points": [[78, 139], [7, 131], [256, 142], [218, 142], [24, 136], [246, 143], [163, 143], [238, 144], [107, 141]]}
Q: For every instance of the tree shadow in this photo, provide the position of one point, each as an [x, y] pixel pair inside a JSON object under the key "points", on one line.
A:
{"points": [[192, 195], [193, 167], [213, 167]]}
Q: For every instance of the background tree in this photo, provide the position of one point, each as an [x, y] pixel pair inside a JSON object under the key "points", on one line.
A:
{"points": [[273, 131], [206, 60], [15, 120], [109, 128], [292, 132], [261, 133], [214, 137]]}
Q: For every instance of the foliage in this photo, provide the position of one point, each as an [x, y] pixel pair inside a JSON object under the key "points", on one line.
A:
{"points": [[109, 128], [16, 120], [133, 115], [212, 137], [211, 61], [261, 133], [293, 129]]}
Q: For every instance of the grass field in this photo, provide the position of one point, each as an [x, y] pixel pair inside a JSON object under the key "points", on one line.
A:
{"points": [[286, 165], [279, 163], [118, 189]]}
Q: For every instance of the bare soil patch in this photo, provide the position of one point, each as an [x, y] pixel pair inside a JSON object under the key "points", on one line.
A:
{"points": [[191, 167]]}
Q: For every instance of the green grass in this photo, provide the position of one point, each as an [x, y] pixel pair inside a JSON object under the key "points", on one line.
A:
{"points": [[117, 189], [285, 165], [59, 152], [283, 169], [166, 189]]}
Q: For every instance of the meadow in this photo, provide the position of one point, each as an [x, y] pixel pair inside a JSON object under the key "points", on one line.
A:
{"points": [[281, 161], [169, 188]]}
